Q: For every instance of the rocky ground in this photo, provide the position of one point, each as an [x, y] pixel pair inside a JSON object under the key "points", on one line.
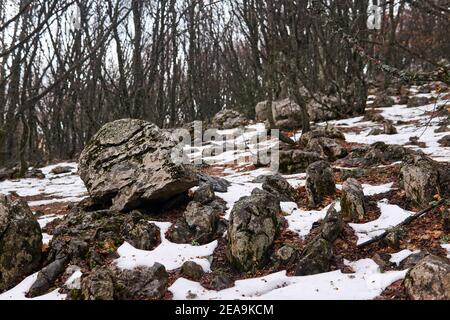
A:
{"points": [[245, 232]]}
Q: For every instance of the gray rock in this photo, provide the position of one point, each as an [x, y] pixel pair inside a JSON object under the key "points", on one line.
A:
{"points": [[429, 279], [327, 148], [46, 278], [202, 221], [111, 283], [279, 187], [328, 131], [285, 255], [34, 174], [445, 141], [286, 113], [218, 184], [253, 226], [20, 242], [228, 119], [375, 132], [413, 260], [129, 163], [415, 102], [221, 282], [352, 201], [141, 234], [332, 225], [204, 194], [420, 179], [319, 182], [62, 169], [389, 128], [383, 101], [296, 161], [316, 258], [192, 270]]}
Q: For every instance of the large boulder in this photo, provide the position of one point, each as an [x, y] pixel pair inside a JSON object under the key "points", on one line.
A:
{"points": [[383, 101], [316, 258], [20, 241], [202, 220], [420, 179], [286, 113], [228, 119], [93, 236], [279, 187], [296, 161], [327, 148], [319, 182], [128, 163], [352, 201], [429, 279], [111, 283], [252, 229]]}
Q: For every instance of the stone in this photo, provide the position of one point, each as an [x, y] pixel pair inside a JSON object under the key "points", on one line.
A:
{"points": [[46, 278], [330, 132], [204, 194], [316, 258], [129, 163], [62, 169], [279, 187], [296, 161], [375, 132], [392, 240], [285, 255], [218, 184], [228, 119], [141, 234], [416, 101], [253, 227], [429, 279], [202, 221], [352, 201], [221, 282], [34, 173], [446, 221], [413, 260], [286, 113], [445, 141], [332, 225], [192, 270], [20, 242], [111, 283], [319, 183], [383, 101], [389, 128], [420, 179], [327, 148]]}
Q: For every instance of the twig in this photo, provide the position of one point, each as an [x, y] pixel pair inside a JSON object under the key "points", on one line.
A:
{"points": [[404, 223]]}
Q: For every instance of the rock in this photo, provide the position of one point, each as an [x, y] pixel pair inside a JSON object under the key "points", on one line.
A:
{"points": [[383, 101], [375, 132], [286, 113], [279, 187], [192, 270], [228, 119], [46, 278], [424, 89], [352, 201], [377, 153], [446, 220], [412, 260], [316, 258], [111, 283], [202, 221], [20, 242], [415, 102], [141, 234], [420, 179], [389, 128], [319, 182], [445, 141], [415, 141], [392, 240], [352, 173], [296, 161], [441, 129], [8, 173], [332, 225], [382, 260], [374, 117], [204, 194], [285, 255], [253, 226], [218, 184], [34, 173], [221, 282], [328, 131], [81, 235], [429, 279], [62, 169], [180, 232], [327, 148], [403, 100], [129, 163]]}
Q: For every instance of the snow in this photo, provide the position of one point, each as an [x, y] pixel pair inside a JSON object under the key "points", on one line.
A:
{"points": [[391, 215], [19, 291], [169, 254], [300, 221], [370, 190], [74, 281], [366, 283], [398, 257], [446, 247]]}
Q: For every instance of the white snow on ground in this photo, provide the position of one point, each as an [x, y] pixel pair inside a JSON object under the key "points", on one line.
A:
{"points": [[446, 247], [60, 188], [398, 257], [19, 291], [300, 221], [366, 283], [370, 190], [391, 215], [169, 254]]}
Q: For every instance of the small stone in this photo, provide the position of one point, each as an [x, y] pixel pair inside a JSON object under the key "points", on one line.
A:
{"points": [[319, 183], [279, 187], [221, 282], [352, 201], [445, 141], [192, 270], [204, 194], [392, 240]]}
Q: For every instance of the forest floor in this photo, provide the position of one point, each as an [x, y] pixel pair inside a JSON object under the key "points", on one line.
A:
{"points": [[357, 273]]}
